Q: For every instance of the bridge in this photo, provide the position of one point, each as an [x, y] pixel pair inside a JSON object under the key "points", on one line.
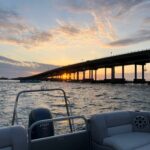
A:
{"points": [[73, 72]]}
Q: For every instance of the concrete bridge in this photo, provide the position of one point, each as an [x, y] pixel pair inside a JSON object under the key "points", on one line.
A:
{"points": [[74, 71]]}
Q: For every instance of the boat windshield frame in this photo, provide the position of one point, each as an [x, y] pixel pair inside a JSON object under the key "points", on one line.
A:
{"points": [[42, 90]]}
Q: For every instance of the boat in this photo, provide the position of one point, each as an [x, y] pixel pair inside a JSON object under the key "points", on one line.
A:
{"points": [[120, 130]]}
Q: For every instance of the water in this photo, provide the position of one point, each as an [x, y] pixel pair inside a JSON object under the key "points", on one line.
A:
{"points": [[86, 99]]}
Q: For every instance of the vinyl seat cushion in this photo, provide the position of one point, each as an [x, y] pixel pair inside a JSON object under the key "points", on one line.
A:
{"points": [[13, 138], [129, 141]]}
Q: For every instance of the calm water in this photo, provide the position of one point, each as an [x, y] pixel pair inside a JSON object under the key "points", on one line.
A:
{"points": [[86, 99]]}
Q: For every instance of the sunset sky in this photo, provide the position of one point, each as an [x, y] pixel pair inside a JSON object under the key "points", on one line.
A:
{"points": [[63, 32]]}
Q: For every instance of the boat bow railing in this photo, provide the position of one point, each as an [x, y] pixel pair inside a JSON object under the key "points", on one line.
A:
{"points": [[67, 104]]}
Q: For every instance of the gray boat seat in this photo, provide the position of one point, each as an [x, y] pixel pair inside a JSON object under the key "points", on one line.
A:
{"points": [[128, 141], [118, 131], [13, 138]]}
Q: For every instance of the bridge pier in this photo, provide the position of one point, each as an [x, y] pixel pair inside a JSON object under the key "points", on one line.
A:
{"points": [[90, 74], [136, 79], [113, 73], [95, 74], [77, 75], [135, 72], [83, 75], [113, 76], [105, 73], [74, 76], [143, 75], [123, 72]]}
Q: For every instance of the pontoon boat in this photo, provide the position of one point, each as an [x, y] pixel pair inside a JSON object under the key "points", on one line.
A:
{"points": [[121, 130]]}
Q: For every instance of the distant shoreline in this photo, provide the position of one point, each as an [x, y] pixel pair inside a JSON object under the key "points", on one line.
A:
{"points": [[4, 78]]}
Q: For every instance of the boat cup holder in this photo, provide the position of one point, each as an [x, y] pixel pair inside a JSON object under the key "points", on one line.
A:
{"points": [[140, 122]]}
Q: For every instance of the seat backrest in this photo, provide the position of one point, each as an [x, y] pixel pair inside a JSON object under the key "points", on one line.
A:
{"points": [[109, 124], [13, 138], [72, 141]]}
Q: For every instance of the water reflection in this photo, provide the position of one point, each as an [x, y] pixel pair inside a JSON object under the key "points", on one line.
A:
{"points": [[86, 99]]}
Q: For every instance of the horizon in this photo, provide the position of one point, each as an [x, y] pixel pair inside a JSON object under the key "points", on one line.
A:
{"points": [[70, 31]]}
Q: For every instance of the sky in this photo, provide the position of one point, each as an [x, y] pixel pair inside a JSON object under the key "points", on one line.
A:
{"points": [[62, 32]]}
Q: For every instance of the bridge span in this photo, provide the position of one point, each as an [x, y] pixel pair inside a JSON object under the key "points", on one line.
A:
{"points": [[73, 72]]}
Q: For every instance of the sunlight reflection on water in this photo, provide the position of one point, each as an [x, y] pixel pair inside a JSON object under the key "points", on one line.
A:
{"points": [[86, 99]]}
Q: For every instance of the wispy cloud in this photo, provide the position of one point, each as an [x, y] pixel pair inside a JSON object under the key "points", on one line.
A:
{"points": [[67, 28], [104, 28], [141, 36], [69, 34], [13, 29], [105, 13], [113, 7]]}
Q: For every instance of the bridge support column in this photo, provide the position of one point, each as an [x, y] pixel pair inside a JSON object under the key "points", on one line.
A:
{"points": [[143, 75], [113, 73], [95, 74], [123, 72], [135, 72], [105, 73], [90, 74], [84, 75], [77, 75], [142, 80]]}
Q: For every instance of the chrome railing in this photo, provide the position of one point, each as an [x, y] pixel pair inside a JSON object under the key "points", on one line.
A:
{"points": [[68, 109]]}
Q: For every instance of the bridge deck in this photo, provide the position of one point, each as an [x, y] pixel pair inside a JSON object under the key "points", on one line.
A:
{"points": [[140, 57]]}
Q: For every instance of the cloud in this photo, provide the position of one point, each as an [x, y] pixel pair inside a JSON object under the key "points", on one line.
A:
{"points": [[5, 14], [106, 15], [14, 30], [114, 7], [68, 28], [104, 28], [126, 5], [141, 36], [12, 68]]}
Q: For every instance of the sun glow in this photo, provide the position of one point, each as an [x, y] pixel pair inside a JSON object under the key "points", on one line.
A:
{"points": [[64, 76]]}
